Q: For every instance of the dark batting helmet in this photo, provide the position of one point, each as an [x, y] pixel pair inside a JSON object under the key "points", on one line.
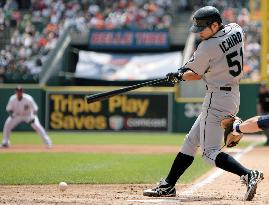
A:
{"points": [[204, 17]]}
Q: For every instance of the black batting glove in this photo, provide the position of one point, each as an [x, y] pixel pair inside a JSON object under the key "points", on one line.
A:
{"points": [[174, 77]]}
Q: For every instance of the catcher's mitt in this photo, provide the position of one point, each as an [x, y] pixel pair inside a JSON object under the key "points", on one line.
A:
{"points": [[231, 137]]}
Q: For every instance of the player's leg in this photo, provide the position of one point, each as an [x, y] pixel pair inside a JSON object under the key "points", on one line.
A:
{"points": [[183, 160], [211, 136], [9, 125], [186, 155], [41, 131], [210, 145]]}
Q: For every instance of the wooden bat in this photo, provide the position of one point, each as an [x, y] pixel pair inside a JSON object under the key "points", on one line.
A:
{"points": [[105, 95]]}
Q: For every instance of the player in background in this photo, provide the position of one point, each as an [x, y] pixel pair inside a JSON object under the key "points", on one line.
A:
{"points": [[218, 61], [22, 108]]}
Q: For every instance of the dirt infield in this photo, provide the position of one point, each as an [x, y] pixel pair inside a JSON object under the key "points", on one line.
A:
{"points": [[225, 189]]}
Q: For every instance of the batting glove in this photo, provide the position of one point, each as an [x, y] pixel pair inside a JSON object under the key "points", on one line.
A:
{"points": [[174, 77]]}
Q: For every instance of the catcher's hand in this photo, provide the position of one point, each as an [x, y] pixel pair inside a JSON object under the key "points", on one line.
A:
{"points": [[231, 137]]}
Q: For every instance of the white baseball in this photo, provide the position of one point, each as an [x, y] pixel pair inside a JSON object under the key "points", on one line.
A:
{"points": [[62, 186]]}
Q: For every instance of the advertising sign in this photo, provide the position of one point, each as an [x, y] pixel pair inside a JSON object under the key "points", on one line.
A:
{"points": [[147, 112], [107, 66], [126, 39]]}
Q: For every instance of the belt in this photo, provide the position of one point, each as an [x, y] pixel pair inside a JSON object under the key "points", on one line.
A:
{"points": [[226, 88], [223, 88]]}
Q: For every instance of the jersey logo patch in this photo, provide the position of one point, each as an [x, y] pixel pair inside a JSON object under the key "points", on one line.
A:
{"points": [[26, 107]]}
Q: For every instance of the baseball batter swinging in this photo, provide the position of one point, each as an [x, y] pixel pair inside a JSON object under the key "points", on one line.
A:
{"points": [[22, 108], [218, 61]]}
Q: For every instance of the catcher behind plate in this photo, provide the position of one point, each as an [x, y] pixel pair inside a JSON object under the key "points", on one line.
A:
{"points": [[231, 137]]}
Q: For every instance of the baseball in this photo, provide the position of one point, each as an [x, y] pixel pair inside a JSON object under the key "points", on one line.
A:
{"points": [[62, 186]]}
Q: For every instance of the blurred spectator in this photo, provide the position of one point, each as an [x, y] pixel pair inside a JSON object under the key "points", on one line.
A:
{"points": [[183, 5], [11, 5], [141, 14], [2, 19], [37, 31], [243, 18], [229, 15]]}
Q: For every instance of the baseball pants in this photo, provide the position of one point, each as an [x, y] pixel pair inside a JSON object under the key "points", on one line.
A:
{"points": [[206, 131], [12, 122]]}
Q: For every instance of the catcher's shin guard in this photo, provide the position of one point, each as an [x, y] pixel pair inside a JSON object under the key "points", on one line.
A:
{"points": [[251, 180], [163, 189]]}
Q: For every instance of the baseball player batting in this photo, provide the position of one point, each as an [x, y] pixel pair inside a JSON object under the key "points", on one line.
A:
{"points": [[22, 108], [218, 61]]}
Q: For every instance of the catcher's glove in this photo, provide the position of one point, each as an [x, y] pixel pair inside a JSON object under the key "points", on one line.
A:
{"points": [[231, 137]]}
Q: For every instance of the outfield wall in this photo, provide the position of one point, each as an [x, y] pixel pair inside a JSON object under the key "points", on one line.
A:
{"points": [[147, 111], [150, 109]]}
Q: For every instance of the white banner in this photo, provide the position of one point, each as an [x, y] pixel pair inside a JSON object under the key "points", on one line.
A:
{"points": [[106, 66]]}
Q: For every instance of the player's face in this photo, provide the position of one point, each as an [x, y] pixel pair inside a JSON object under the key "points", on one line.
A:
{"points": [[19, 95], [209, 31], [205, 34]]}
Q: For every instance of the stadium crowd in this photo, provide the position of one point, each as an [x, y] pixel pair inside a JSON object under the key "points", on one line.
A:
{"points": [[37, 29]]}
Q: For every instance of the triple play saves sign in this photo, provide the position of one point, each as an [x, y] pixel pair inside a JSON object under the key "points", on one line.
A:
{"points": [[70, 111]]}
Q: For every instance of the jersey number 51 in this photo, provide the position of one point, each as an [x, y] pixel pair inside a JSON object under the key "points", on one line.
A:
{"points": [[234, 64]]}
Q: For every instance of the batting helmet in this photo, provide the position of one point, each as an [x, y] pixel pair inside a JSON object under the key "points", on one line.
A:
{"points": [[204, 17]]}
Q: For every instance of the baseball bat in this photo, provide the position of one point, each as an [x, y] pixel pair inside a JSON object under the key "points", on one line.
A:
{"points": [[105, 95]]}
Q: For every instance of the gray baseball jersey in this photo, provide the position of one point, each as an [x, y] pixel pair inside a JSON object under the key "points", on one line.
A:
{"points": [[219, 60]]}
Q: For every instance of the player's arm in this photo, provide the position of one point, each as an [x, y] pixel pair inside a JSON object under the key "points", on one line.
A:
{"points": [[10, 113], [183, 74], [254, 124], [9, 107], [33, 106], [190, 75], [33, 116]]}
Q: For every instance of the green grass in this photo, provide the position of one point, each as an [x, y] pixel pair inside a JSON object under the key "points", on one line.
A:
{"points": [[51, 168], [100, 138], [140, 138]]}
